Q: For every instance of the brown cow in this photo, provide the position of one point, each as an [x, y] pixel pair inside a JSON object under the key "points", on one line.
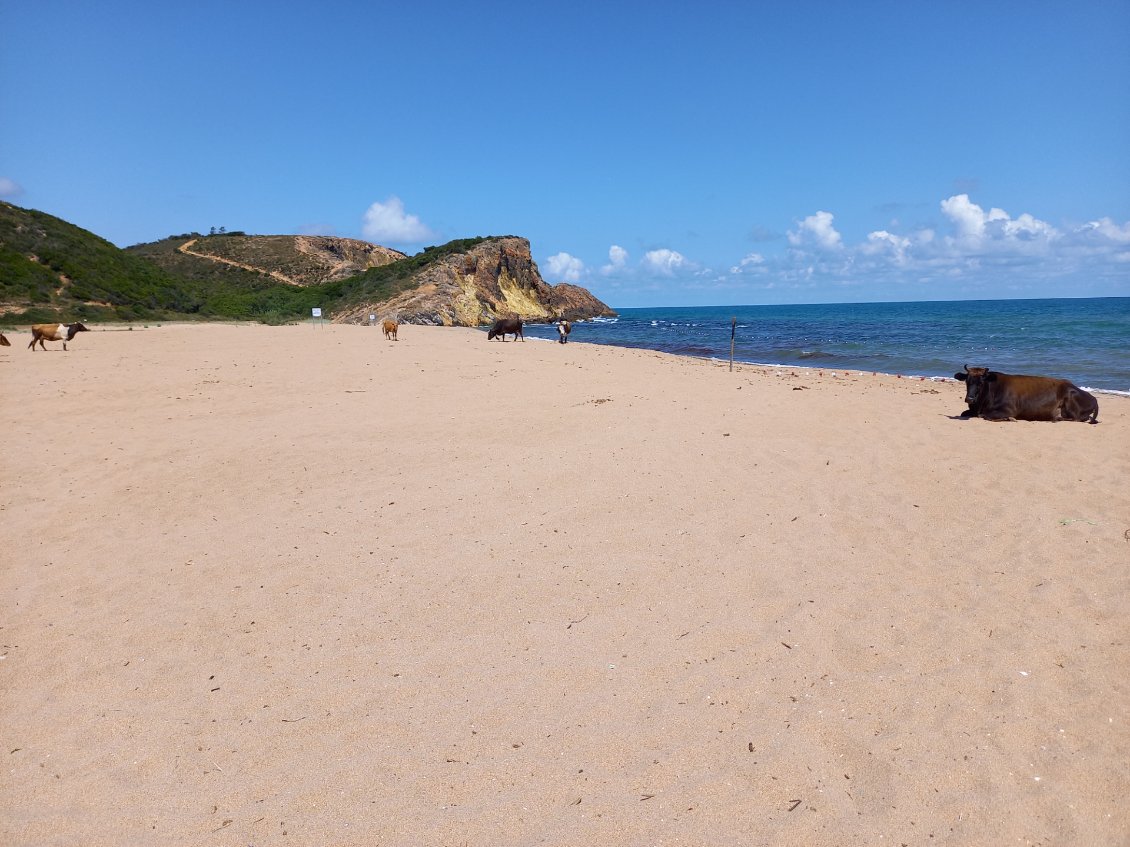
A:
{"points": [[4, 342], [504, 325], [54, 332], [390, 328], [1002, 397]]}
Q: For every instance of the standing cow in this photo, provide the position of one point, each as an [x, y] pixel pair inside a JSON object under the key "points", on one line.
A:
{"points": [[504, 325], [1001, 397], [54, 332], [390, 328]]}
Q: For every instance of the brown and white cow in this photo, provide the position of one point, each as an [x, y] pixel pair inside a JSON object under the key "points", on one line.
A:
{"points": [[54, 332], [390, 328], [995, 396], [504, 325]]}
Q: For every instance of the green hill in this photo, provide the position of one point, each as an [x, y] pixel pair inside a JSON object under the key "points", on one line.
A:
{"points": [[50, 269], [53, 270]]}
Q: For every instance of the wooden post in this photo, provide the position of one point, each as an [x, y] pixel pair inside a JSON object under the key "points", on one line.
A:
{"points": [[733, 327]]}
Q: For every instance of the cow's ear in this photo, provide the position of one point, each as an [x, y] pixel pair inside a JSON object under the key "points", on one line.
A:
{"points": [[960, 377], [991, 376]]}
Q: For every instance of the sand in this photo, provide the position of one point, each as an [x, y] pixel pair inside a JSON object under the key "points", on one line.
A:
{"points": [[300, 585]]}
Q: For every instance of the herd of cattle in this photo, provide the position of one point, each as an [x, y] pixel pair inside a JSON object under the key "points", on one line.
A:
{"points": [[989, 394]]}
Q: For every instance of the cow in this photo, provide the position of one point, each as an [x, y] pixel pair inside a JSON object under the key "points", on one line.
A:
{"points": [[563, 330], [54, 332], [1002, 397], [390, 328], [504, 325], [4, 342]]}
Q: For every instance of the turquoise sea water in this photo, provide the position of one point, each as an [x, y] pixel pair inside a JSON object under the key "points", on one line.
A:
{"points": [[1084, 340]]}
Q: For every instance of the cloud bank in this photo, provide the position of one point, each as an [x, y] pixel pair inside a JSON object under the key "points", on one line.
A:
{"points": [[966, 249]]}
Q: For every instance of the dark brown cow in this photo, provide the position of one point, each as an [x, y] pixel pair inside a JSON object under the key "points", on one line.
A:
{"points": [[54, 332], [4, 342], [1002, 397], [504, 325]]}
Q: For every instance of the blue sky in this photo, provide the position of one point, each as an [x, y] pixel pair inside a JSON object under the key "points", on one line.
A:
{"points": [[658, 153]]}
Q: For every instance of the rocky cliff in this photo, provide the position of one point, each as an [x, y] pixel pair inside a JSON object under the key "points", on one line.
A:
{"points": [[496, 278]]}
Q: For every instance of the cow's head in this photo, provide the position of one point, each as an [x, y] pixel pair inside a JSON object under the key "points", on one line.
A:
{"points": [[976, 383], [73, 328]]}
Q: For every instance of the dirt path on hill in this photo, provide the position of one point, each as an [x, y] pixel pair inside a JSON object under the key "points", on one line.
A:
{"points": [[281, 277]]}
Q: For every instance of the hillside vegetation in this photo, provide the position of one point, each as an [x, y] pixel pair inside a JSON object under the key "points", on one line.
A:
{"points": [[49, 267], [53, 270]]}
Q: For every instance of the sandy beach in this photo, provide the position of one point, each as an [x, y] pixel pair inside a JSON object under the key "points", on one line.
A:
{"points": [[297, 585]]}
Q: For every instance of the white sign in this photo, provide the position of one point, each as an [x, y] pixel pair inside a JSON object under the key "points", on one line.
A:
{"points": [[316, 312], [372, 318]]}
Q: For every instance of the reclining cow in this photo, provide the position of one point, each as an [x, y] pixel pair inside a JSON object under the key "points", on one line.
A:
{"points": [[504, 325], [996, 396], [54, 332]]}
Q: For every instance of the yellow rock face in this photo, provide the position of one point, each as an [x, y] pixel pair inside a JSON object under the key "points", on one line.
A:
{"points": [[466, 304], [519, 301]]}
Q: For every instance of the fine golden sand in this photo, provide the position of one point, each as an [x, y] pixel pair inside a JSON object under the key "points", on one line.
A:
{"points": [[297, 585]]}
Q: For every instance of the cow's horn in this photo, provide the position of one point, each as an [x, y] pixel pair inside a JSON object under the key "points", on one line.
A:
{"points": [[966, 368]]}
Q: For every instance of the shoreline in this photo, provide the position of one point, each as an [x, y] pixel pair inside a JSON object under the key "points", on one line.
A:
{"points": [[129, 326]]}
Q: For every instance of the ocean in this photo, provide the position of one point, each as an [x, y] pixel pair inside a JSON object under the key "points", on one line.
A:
{"points": [[1084, 340]]}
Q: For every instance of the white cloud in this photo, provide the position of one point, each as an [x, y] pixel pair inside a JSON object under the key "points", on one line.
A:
{"points": [[566, 267], [967, 217], [1108, 230], [663, 261], [10, 188], [816, 231], [975, 228], [749, 262], [883, 243], [617, 260], [388, 222]]}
